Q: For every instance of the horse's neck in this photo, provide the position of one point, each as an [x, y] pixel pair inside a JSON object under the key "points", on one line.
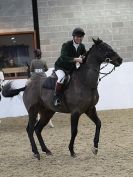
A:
{"points": [[92, 63], [88, 73]]}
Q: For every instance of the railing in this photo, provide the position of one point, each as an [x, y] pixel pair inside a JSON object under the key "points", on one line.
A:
{"points": [[15, 72]]}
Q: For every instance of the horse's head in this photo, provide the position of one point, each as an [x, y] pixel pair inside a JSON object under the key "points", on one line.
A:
{"points": [[105, 53]]}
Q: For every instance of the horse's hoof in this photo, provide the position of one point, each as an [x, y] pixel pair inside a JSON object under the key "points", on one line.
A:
{"points": [[73, 155], [94, 150], [49, 153], [37, 156]]}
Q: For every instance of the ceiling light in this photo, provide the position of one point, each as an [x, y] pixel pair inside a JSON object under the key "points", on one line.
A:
{"points": [[12, 38]]}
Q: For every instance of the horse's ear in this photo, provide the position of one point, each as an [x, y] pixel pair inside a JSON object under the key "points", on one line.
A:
{"points": [[94, 40], [98, 41]]}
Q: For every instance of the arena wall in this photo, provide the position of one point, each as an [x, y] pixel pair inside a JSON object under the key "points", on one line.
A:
{"points": [[16, 15], [111, 20], [115, 92]]}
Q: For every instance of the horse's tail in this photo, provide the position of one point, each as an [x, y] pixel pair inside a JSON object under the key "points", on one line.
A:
{"points": [[9, 91]]}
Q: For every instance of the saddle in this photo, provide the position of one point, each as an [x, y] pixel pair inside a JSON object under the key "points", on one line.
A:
{"points": [[50, 81]]}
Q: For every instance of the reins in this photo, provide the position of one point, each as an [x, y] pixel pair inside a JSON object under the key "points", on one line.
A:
{"points": [[105, 74]]}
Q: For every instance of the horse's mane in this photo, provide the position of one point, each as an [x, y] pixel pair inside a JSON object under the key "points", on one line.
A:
{"points": [[96, 42], [88, 52]]}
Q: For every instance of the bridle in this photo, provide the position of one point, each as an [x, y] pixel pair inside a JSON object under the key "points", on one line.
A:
{"points": [[107, 60]]}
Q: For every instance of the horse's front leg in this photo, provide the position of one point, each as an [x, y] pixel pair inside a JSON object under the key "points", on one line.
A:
{"points": [[74, 130], [92, 114]]}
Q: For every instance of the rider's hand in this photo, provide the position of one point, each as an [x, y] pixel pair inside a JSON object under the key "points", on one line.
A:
{"points": [[79, 59]]}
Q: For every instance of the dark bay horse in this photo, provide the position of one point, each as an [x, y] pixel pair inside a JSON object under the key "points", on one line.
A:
{"points": [[80, 97]]}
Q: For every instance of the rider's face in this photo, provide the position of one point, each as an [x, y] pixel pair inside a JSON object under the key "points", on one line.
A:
{"points": [[78, 39]]}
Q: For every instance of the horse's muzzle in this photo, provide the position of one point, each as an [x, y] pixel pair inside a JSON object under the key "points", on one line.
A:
{"points": [[118, 61]]}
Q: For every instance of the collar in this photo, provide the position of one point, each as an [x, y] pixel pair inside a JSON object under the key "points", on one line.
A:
{"points": [[75, 45]]}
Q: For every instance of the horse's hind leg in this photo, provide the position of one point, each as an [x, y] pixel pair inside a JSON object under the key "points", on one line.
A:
{"points": [[92, 114], [30, 131], [74, 130], [44, 119]]}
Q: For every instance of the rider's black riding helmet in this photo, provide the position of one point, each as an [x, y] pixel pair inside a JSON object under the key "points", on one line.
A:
{"points": [[78, 32]]}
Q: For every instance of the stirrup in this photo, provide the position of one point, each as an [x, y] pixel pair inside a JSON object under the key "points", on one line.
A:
{"points": [[57, 102]]}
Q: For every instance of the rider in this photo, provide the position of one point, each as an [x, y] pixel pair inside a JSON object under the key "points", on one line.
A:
{"points": [[38, 65], [71, 53]]}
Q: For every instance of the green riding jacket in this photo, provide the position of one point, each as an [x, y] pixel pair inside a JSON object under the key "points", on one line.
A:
{"points": [[68, 52]]}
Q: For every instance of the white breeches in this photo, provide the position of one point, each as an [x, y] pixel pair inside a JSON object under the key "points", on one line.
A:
{"points": [[61, 76], [1, 76]]}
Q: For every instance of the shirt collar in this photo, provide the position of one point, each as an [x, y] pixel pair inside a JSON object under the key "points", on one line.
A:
{"points": [[75, 45]]}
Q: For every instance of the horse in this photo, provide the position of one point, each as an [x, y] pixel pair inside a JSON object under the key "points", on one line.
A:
{"points": [[80, 96]]}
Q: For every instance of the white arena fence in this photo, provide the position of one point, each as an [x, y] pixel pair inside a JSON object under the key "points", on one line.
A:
{"points": [[115, 90]]}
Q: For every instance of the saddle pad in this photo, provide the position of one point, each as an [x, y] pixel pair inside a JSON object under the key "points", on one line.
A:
{"points": [[49, 83]]}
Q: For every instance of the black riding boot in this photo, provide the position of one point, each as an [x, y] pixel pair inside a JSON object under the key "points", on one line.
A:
{"points": [[57, 94]]}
